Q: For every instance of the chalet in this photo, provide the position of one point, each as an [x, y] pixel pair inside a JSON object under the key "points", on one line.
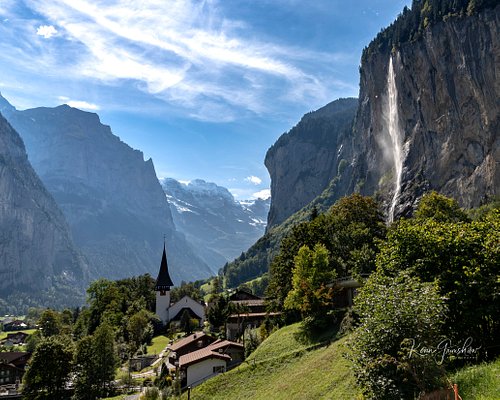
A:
{"points": [[251, 313], [216, 358], [12, 366], [166, 311], [16, 325], [16, 338], [189, 344]]}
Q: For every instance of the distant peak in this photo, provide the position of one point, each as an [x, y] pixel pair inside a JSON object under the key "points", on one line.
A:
{"points": [[5, 105]]}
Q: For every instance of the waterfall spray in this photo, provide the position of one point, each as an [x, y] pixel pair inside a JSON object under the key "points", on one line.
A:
{"points": [[395, 135]]}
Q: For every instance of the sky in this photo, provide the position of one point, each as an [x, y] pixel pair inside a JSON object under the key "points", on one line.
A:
{"points": [[203, 88]]}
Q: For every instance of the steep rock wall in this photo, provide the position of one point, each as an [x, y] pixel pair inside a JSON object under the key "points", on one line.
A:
{"points": [[37, 254], [448, 104], [303, 161]]}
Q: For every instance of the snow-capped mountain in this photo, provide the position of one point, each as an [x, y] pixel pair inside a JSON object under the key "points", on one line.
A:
{"points": [[218, 226]]}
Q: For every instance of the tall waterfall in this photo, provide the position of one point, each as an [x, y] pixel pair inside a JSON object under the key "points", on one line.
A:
{"points": [[395, 135]]}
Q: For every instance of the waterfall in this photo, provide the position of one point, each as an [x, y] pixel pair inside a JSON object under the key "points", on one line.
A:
{"points": [[394, 135]]}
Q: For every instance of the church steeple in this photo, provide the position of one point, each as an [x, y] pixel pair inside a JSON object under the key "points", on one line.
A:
{"points": [[163, 282]]}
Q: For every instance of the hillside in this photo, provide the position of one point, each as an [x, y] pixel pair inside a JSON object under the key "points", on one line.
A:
{"points": [[284, 368]]}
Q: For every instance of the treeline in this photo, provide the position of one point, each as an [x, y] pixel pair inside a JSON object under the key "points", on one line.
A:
{"points": [[411, 23], [85, 345], [433, 282]]}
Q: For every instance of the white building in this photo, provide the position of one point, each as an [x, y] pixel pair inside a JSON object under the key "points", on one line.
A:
{"points": [[169, 312]]}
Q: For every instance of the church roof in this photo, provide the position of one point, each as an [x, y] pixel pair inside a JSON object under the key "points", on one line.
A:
{"points": [[163, 282]]}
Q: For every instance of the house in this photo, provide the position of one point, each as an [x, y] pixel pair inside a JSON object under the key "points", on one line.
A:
{"points": [[166, 311], [234, 350], [252, 313], [12, 366], [189, 344], [218, 357], [200, 365], [17, 338], [17, 358], [16, 325]]}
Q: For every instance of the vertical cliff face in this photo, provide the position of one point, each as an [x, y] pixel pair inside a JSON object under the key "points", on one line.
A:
{"points": [[303, 161], [37, 255], [110, 196], [448, 115]]}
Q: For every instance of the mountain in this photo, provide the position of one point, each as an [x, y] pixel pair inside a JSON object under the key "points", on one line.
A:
{"points": [[110, 196], [303, 161], [39, 265], [429, 112], [427, 119], [218, 226]]}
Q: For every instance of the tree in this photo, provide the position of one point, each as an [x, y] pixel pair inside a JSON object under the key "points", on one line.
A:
{"points": [[139, 329], [49, 369], [399, 317], [440, 209], [50, 323], [310, 293], [96, 361], [464, 258]]}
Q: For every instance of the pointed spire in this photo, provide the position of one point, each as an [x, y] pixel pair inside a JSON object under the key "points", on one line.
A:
{"points": [[163, 282]]}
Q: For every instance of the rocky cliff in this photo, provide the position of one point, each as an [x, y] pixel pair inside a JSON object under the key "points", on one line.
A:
{"points": [[447, 114], [213, 221], [110, 196], [39, 264], [303, 161]]}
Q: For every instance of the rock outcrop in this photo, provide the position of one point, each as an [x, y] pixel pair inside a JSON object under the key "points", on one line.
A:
{"points": [[39, 264], [213, 221], [304, 161], [448, 90], [110, 196]]}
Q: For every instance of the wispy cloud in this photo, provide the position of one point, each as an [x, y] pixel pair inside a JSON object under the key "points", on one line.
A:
{"points": [[184, 52]]}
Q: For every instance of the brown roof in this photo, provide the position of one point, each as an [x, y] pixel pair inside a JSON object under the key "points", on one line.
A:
{"points": [[200, 355], [219, 344], [10, 356], [187, 340]]}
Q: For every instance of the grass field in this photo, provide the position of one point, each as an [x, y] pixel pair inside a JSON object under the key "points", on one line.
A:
{"points": [[479, 382], [158, 344], [283, 368]]}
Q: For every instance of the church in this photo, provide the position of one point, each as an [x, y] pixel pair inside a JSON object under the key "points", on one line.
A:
{"points": [[172, 312]]}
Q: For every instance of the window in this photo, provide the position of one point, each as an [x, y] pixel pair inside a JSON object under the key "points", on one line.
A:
{"points": [[219, 369]]}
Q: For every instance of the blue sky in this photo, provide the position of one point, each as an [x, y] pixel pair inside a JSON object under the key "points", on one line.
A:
{"points": [[204, 88]]}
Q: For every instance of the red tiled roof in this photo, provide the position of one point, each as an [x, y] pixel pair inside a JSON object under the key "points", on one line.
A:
{"points": [[200, 355]]}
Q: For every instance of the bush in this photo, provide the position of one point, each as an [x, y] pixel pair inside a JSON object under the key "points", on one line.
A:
{"points": [[397, 315]]}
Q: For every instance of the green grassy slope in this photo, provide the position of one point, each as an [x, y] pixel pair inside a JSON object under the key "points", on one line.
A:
{"points": [[479, 382], [283, 368]]}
